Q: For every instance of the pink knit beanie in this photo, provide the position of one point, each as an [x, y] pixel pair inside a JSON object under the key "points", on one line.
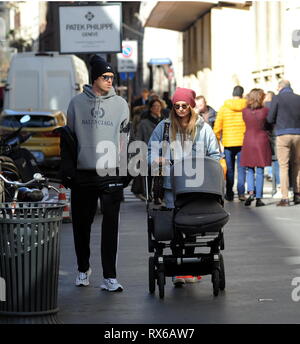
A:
{"points": [[184, 95]]}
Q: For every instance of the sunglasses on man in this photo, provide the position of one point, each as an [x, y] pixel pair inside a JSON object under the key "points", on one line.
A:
{"points": [[107, 77]]}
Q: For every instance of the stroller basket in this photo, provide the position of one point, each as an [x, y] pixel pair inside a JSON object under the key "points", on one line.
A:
{"points": [[162, 226]]}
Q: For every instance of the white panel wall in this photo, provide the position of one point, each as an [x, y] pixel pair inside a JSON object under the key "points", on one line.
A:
{"points": [[29, 11], [292, 54], [233, 53], [161, 43]]}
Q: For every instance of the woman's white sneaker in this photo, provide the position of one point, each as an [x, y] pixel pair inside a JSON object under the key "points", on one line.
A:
{"points": [[111, 284], [178, 281], [82, 278]]}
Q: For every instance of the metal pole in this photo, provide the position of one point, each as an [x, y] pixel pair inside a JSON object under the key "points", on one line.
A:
{"points": [[129, 89]]}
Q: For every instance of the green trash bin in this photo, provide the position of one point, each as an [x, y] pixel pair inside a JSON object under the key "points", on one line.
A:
{"points": [[29, 261]]}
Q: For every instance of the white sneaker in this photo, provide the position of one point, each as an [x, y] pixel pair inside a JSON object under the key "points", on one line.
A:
{"points": [[178, 281], [141, 197], [111, 284], [82, 278], [278, 194]]}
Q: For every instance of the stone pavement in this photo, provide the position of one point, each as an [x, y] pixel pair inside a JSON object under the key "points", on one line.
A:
{"points": [[262, 260]]}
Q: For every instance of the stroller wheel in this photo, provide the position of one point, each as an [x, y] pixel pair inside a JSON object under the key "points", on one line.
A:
{"points": [[151, 275], [215, 278], [161, 284], [222, 273]]}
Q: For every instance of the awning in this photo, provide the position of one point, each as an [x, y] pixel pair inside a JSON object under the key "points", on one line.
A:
{"points": [[179, 15], [160, 61]]}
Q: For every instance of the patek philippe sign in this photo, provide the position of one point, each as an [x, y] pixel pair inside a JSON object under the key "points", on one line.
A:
{"points": [[90, 29]]}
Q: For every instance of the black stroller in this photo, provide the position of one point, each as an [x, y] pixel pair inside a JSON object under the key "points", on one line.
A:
{"points": [[197, 221]]}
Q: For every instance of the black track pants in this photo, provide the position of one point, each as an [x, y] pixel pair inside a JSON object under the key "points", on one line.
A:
{"points": [[84, 205]]}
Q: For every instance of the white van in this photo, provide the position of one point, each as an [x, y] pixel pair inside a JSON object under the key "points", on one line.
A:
{"points": [[43, 81]]}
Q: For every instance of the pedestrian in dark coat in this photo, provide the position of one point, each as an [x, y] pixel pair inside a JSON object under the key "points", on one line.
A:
{"points": [[144, 131], [285, 114], [256, 151], [207, 112], [152, 117]]}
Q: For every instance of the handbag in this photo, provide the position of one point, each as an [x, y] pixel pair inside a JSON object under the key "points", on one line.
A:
{"points": [[158, 189], [162, 229]]}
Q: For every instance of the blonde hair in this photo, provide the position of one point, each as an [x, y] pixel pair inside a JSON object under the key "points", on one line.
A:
{"points": [[189, 131]]}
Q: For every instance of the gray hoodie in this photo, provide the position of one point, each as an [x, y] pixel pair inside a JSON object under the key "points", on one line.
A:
{"points": [[95, 119]]}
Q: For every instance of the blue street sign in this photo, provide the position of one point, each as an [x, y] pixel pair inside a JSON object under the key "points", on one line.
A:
{"points": [[123, 76], [131, 75]]}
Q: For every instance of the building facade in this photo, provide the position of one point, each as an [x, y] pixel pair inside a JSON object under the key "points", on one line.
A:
{"points": [[247, 43], [23, 22]]}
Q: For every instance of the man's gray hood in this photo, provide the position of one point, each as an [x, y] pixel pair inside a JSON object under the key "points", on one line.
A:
{"points": [[87, 89]]}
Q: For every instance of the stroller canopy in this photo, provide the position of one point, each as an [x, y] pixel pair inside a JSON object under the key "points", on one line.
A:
{"points": [[197, 174]]}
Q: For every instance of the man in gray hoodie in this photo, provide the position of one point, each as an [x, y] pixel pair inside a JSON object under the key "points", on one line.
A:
{"points": [[97, 117]]}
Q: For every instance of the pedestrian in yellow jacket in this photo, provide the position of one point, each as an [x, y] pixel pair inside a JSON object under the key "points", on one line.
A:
{"points": [[230, 129]]}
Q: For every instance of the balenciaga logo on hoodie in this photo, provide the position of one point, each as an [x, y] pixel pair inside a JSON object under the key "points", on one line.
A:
{"points": [[97, 114], [96, 121]]}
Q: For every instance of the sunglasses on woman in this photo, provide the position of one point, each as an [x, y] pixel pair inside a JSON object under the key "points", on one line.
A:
{"points": [[178, 106], [107, 77]]}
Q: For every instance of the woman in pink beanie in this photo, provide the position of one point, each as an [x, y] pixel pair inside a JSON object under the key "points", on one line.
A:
{"points": [[183, 124], [183, 117]]}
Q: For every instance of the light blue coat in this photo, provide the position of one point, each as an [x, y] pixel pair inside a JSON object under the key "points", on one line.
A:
{"points": [[204, 139]]}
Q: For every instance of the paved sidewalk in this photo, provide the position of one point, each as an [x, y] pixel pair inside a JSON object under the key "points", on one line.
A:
{"points": [[262, 258]]}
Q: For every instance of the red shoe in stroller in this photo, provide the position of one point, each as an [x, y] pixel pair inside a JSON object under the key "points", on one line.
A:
{"points": [[179, 280]]}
